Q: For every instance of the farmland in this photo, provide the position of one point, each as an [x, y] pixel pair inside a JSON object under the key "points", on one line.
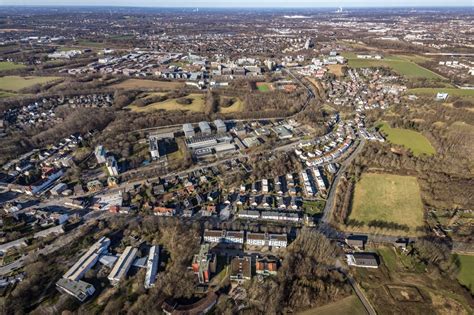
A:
{"points": [[466, 274], [348, 305], [136, 84], [410, 139], [4, 65], [401, 64], [197, 105], [388, 198], [17, 83]]}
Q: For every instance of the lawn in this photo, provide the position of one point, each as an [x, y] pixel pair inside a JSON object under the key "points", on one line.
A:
{"points": [[236, 107], [434, 91], [313, 207], [197, 105], [401, 64], [350, 305], [410, 139], [17, 83], [466, 273], [5, 65], [389, 198], [134, 84], [263, 87]]}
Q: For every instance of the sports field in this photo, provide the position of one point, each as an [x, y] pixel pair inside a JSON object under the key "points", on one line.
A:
{"points": [[401, 64], [466, 273], [389, 198], [410, 139], [17, 83], [434, 91], [134, 84], [350, 305], [197, 105], [5, 65]]}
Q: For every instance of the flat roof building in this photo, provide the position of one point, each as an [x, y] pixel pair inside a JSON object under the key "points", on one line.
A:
{"points": [[220, 126], [241, 268], [188, 130], [152, 265], [205, 128], [88, 260], [123, 264], [78, 289]]}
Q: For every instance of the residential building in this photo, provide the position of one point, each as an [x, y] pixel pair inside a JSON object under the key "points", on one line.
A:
{"points": [[277, 240], [205, 128], [203, 264], [214, 236], [364, 260], [256, 239], [266, 267], [220, 126], [241, 269], [188, 130], [100, 154], [236, 237], [154, 148], [112, 166]]}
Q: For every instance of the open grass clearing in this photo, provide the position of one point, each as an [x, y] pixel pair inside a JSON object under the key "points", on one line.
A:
{"points": [[350, 305], [264, 87], [197, 105], [336, 70], [399, 63], [6, 94], [236, 107], [388, 198], [466, 272], [5, 65], [17, 83], [410, 139], [136, 84], [433, 91]]}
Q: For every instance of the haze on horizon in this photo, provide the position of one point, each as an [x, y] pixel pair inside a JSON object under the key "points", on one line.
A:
{"points": [[244, 3]]}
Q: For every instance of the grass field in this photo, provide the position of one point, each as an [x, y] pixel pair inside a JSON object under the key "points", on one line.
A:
{"points": [[401, 64], [6, 94], [410, 139], [264, 87], [133, 84], [4, 65], [197, 105], [17, 83], [450, 91], [350, 305], [237, 107], [466, 274], [390, 198]]}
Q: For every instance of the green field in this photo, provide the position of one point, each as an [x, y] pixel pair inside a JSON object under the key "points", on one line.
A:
{"points": [[466, 273], [410, 139], [17, 83], [263, 87], [389, 198], [434, 91], [401, 64], [6, 94], [135, 84], [4, 65], [197, 105], [350, 305]]}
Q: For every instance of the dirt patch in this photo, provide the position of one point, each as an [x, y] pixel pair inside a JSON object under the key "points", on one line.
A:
{"points": [[405, 293]]}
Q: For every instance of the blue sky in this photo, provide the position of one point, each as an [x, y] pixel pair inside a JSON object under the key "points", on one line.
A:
{"points": [[246, 3]]}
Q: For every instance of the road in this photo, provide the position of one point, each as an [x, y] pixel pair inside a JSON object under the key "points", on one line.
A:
{"points": [[329, 207]]}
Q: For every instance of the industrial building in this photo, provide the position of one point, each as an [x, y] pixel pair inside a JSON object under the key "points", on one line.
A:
{"points": [[152, 265], [188, 130], [205, 128], [88, 260], [123, 264], [220, 126]]}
